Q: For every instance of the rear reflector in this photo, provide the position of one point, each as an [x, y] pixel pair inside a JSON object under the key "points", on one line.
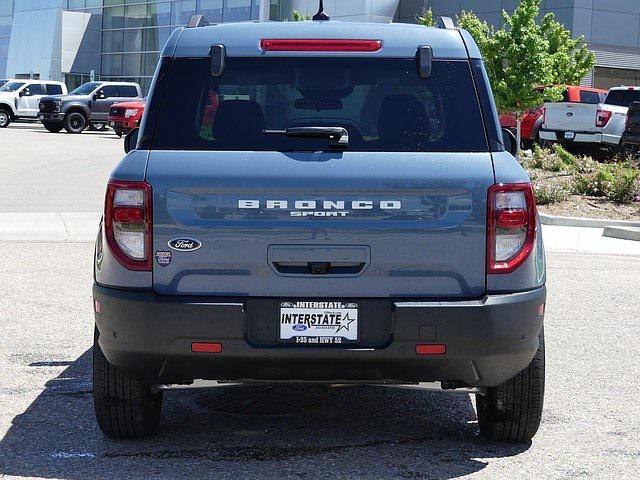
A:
{"points": [[320, 45], [431, 349], [97, 307], [202, 347]]}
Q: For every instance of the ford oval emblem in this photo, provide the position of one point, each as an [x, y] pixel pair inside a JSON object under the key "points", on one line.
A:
{"points": [[299, 327], [183, 244]]}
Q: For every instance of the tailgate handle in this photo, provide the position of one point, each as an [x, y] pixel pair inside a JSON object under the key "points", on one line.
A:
{"points": [[318, 260]]}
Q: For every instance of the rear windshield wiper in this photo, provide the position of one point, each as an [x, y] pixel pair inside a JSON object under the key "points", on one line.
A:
{"points": [[338, 136]]}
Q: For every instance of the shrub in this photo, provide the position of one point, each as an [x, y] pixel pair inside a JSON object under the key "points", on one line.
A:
{"points": [[548, 194], [544, 160], [567, 159], [624, 185], [617, 182]]}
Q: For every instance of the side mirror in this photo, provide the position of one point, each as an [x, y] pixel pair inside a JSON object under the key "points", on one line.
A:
{"points": [[509, 141], [24, 93], [131, 140], [99, 95]]}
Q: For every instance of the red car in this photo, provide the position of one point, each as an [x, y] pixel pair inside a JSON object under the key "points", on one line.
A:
{"points": [[534, 117], [125, 116]]}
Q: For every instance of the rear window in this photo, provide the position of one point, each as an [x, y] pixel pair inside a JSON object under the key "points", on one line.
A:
{"points": [[622, 98], [382, 103], [589, 97]]}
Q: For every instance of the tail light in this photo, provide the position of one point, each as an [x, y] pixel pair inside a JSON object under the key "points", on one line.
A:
{"points": [[543, 113], [128, 223], [511, 226], [603, 117]]}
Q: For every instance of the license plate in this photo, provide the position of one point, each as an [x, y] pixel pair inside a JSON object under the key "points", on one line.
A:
{"points": [[569, 135], [319, 323], [112, 124]]}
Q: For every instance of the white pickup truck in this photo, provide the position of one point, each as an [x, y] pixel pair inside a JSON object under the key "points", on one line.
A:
{"points": [[19, 98], [592, 125]]}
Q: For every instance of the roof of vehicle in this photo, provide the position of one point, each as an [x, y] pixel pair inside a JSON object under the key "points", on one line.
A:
{"points": [[118, 83], [32, 80], [398, 39], [622, 87], [586, 89]]}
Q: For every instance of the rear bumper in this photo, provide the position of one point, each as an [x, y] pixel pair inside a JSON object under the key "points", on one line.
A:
{"points": [[579, 137], [487, 341]]}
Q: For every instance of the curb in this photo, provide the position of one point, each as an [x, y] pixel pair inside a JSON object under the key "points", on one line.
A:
{"points": [[624, 233], [585, 222], [49, 226]]}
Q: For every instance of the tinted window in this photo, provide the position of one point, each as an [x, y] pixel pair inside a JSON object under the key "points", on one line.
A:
{"points": [[127, 91], [11, 86], [54, 89], [35, 89], [382, 103], [85, 88], [623, 98], [589, 97], [109, 91]]}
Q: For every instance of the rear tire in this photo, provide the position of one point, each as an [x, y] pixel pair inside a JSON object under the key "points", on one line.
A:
{"points": [[75, 122], [53, 127], [511, 412], [125, 408], [5, 118], [118, 131]]}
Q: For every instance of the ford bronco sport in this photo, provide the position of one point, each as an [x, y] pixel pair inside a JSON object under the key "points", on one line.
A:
{"points": [[351, 216]]}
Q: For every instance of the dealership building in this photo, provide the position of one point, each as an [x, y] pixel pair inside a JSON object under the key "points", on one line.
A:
{"points": [[79, 40]]}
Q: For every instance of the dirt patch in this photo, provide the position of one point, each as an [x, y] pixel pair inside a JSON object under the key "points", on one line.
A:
{"points": [[592, 207]]}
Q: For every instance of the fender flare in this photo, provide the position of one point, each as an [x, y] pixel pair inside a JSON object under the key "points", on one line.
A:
{"points": [[77, 106]]}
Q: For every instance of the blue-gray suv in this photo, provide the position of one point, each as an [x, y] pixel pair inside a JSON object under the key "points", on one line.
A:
{"points": [[321, 202]]}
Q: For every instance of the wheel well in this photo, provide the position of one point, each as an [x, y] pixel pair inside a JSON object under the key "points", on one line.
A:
{"points": [[77, 110], [7, 108]]}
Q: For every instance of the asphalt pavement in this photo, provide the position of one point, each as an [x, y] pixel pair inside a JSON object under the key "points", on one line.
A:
{"points": [[590, 429], [591, 422], [53, 172]]}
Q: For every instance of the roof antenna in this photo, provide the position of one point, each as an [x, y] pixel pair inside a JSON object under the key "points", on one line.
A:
{"points": [[321, 15]]}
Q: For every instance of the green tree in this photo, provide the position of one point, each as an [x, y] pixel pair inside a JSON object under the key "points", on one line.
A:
{"points": [[299, 17], [426, 18], [528, 61]]}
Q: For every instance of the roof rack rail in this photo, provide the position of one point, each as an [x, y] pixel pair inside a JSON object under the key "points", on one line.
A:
{"points": [[198, 21], [446, 22]]}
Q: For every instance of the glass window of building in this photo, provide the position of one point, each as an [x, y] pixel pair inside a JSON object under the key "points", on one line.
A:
{"points": [[183, 10], [237, 10], [113, 17], [155, 38], [132, 64], [112, 64], [614, 77], [132, 41], [158, 14], [135, 16], [212, 9], [112, 41]]}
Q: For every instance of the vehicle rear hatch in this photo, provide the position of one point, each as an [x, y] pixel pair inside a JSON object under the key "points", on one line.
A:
{"points": [[396, 225], [574, 117]]}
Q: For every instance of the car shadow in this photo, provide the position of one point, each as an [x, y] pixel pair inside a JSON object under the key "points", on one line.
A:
{"points": [[266, 431]]}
